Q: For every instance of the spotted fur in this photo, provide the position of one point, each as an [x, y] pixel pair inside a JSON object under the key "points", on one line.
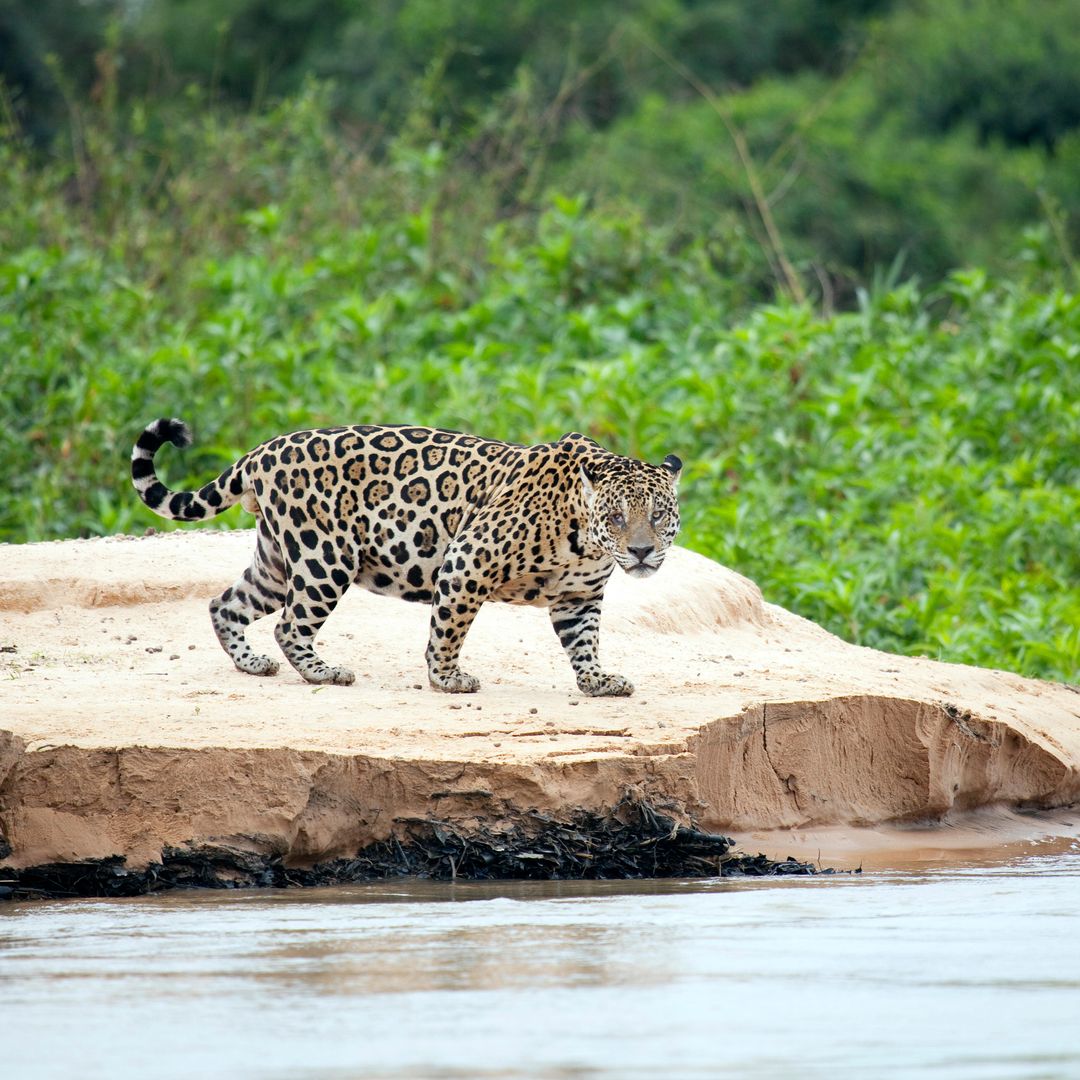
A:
{"points": [[437, 517]]}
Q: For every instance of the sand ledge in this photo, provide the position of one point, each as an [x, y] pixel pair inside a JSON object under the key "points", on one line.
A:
{"points": [[125, 729]]}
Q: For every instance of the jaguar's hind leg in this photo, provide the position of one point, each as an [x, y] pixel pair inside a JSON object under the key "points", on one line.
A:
{"points": [[260, 591], [308, 604]]}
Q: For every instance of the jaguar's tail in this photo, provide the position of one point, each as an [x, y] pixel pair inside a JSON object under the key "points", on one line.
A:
{"points": [[209, 500]]}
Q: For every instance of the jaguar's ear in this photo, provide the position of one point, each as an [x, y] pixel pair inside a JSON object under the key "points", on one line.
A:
{"points": [[587, 480], [674, 466]]}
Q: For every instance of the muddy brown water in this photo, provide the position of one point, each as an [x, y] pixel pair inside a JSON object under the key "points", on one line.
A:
{"points": [[968, 970]]}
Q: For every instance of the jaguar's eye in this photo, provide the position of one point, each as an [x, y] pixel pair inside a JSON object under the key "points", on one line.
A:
{"points": [[617, 520], [658, 516]]}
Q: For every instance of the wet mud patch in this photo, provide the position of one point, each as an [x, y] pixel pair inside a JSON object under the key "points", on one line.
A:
{"points": [[633, 840]]}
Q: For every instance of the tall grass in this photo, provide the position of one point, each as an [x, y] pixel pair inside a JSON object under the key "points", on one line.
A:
{"points": [[907, 474]]}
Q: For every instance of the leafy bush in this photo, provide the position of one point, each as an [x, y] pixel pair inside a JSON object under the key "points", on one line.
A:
{"points": [[251, 50], [735, 43], [849, 187], [884, 131], [1008, 69]]}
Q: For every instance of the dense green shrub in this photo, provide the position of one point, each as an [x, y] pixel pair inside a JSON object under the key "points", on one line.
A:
{"points": [[376, 50], [1008, 69], [884, 131], [850, 188], [907, 473], [736, 42]]}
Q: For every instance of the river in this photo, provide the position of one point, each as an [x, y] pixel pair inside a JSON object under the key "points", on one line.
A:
{"points": [[965, 971]]}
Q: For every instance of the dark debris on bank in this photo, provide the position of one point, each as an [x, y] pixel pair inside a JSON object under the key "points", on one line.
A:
{"points": [[632, 841]]}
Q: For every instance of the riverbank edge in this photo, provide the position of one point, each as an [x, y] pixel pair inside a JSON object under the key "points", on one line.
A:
{"points": [[128, 735], [631, 840]]}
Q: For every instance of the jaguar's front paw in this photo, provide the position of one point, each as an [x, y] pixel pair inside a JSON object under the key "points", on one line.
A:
{"points": [[258, 665], [454, 682], [331, 676], [605, 686]]}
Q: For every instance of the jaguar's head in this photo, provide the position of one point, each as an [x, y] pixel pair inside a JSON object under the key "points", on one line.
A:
{"points": [[633, 511]]}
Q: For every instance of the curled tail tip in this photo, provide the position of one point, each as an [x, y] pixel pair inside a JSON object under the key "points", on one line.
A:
{"points": [[174, 430], [159, 432], [208, 501]]}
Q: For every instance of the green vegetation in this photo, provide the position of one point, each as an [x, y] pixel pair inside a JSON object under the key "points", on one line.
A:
{"points": [[560, 242]]}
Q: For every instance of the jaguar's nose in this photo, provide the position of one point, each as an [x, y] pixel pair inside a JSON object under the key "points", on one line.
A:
{"points": [[641, 553]]}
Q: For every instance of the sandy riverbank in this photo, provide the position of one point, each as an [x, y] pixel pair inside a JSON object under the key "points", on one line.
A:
{"points": [[125, 728]]}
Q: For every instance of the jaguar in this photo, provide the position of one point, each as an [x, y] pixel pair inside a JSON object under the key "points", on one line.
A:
{"points": [[432, 516]]}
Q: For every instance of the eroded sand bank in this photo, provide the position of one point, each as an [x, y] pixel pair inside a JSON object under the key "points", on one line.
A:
{"points": [[124, 727]]}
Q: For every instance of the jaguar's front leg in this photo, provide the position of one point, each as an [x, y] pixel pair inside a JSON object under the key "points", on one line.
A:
{"points": [[457, 600], [577, 622]]}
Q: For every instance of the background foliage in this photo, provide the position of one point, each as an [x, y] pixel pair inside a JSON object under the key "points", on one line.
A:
{"points": [[823, 250]]}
